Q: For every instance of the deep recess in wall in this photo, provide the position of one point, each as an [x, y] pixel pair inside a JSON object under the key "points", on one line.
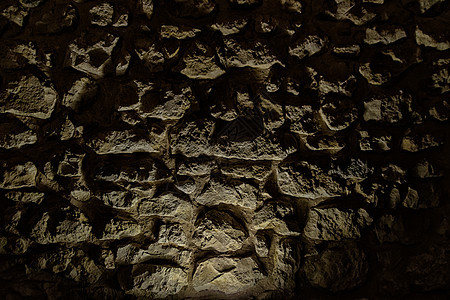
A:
{"points": [[224, 149]]}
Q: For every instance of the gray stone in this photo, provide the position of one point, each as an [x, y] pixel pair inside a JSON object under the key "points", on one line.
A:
{"points": [[167, 205]]}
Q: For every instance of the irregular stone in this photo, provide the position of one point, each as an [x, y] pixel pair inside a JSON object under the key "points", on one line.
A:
{"points": [[291, 5], [145, 7], [393, 172], [258, 171], [332, 224], [150, 53], [306, 180], [440, 81], [196, 167], [192, 139], [92, 53], [121, 142], [199, 63], [178, 32], [14, 137], [18, 176], [280, 217], [229, 27], [18, 55], [371, 76], [166, 205], [15, 14], [424, 169], [227, 275], [219, 231], [172, 234], [219, 192], [159, 282], [262, 245], [415, 143], [347, 51], [82, 90], [384, 36], [118, 229], [339, 114], [29, 97], [102, 14], [303, 119], [70, 166], [245, 53], [31, 3], [131, 255], [389, 108], [26, 197], [337, 268], [343, 10], [355, 170], [370, 142], [307, 47], [72, 229], [331, 144], [286, 262], [424, 39], [265, 23], [167, 103], [56, 20], [271, 112]]}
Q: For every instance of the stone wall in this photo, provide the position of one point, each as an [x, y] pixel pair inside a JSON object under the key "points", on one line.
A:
{"points": [[224, 149]]}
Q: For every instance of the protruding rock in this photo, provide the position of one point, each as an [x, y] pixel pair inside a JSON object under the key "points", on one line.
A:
{"points": [[81, 91], [91, 53], [388, 109], [286, 262], [311, 45], [245, 53], [18, 176], [166, 205], [151, 54], [29, 97], [332, 224], [217, 192], [415, 143], [227, 275], [14, 137], [384, 36], [372, 76], [178, 32], [291, 5], [427, 40], [279, 217], [228, 27], [102, 14], [303, 119], [199, 63], [307, 181], [219, 231], [370, 141]]}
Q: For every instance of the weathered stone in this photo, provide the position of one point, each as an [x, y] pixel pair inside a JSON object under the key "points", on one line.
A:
{"points": [[120, 142], [219, 231], [332, 224], [369, 142], [311, 45], [166, 205], [15, 15], [279, 217], [91, 53], [303, 119], [349, 51], [307, 181], [422, 6], [372, 76], [159, 282], [14, 137], [244, 53], [26, 197], [177, 32], [415, 143], [343, 10], [118, 229], [72, 229], [18, 176], [81, 91], [286, 262], [259, 171], [18, 55], [339, 114], [227, 275], [219, 192], [192, 139], [145, 7], [388, 109], [384, 36], [31, 3], [151, 54], [247, 3], [131, 255], [262, 245], [102, 14], [427, 40], [228, 27], [291, 5], [199, 63], [29, 97], [331, 144], [352, 169], [337, 268]]}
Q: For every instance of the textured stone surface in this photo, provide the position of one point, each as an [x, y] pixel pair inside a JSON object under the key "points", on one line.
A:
{"points": [[224, 149]]}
